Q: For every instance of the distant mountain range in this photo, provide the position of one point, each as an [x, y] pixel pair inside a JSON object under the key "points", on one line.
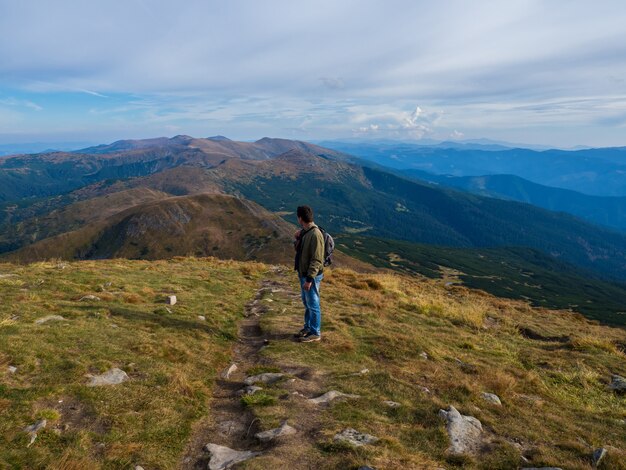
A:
{"points": [[599, 172], [607, 211], [163, 197]]}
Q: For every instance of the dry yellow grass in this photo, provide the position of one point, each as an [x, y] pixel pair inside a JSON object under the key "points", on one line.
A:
{"points": [[552, 392]]}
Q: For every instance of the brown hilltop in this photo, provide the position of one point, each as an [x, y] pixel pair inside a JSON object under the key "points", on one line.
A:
{"points": [[218, 225], [201, 225]]}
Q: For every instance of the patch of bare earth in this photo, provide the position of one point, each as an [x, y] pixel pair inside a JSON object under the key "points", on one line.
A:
{"points": [[232, 424]]}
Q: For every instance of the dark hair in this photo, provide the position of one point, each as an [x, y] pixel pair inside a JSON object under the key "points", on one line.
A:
{"points": [[305, 213]]}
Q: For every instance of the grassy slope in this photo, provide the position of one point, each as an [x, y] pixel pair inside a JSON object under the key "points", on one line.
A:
{"points": [[382, 322], [375, 321], [201, 225], [518, 273], [171, 358]]}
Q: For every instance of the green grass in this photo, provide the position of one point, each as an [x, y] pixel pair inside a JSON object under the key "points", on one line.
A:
{"points": [[258, 399], [171, 358], [367, 327], [378, 321], [517, 273]]}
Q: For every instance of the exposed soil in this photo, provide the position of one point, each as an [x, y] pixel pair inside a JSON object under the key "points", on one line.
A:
{"points": [[230, 423]]}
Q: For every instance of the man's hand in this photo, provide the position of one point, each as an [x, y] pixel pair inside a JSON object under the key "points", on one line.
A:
{"points": [[307, 286], [297, 234]]}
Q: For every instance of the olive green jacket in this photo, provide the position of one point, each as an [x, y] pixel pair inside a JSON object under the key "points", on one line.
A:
{"points": [[311, 260]]}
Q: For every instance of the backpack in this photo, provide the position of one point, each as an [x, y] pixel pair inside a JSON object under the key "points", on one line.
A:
{"points": [[329, 247]]}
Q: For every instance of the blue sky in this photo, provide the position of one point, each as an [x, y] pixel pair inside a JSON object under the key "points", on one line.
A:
{"points": [[542, 72]]}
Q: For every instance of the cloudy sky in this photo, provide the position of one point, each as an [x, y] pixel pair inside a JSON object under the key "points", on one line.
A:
{"points": [[544, 72]]}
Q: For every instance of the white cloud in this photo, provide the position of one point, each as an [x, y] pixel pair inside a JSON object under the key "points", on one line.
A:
{"points": [[456, 134], [20, 103], [331, 66]]}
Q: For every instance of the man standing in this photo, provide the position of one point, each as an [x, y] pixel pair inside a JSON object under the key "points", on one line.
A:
{"points": [[309, 263]]}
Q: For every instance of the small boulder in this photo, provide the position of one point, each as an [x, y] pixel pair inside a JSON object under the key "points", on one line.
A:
{"points": [[46, 319], [424, 355], [12, 369], [249, 390], [89, 298], [171, 300], [491, 398], [618, 383], [226, 373], [330, 396], [201, 318], [223, 457], [34, 428], [541, 468], [392, 404], [464, 432], [266, 378], [354, 437], [271, 434], [597, 456], [113, 376]]}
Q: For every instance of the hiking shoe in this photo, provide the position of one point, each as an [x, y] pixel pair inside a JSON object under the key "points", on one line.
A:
{"points": [[302, 333], [309, 338]]}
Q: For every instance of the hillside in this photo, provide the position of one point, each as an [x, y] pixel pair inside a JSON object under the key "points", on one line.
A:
{"points": [[348, 197], [406, 347], [201, 225], [509, 272], [158, 198], [606, 211], [355, 199]]}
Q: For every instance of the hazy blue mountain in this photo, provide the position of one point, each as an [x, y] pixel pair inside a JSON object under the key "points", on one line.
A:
{"points": [[600, 172], [607, 211], [36, 147]]}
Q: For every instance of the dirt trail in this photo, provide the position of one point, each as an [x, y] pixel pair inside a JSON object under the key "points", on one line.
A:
{"points": [[231, 424]]}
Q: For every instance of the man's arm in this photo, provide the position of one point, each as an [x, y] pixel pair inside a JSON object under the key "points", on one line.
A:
{"points": [[316, 244]]}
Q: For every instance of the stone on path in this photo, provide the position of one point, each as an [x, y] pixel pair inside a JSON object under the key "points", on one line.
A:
{"points": [[33, 429], [464, 432], [226, 373], [271, 434], [618, 383], [171, 300], [223, 458], [41, 321], [113, 376], [491, 398], [330, 396], [354, 437], [597, 456], [266, 378], [249, 390], [392, 404], [88, 298]]}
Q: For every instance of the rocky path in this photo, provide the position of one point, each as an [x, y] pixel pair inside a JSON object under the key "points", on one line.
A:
{"points": [[232, 433], [232, 426]]}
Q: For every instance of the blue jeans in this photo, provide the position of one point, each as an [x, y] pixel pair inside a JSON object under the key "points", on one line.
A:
{"points": [[311, 301]]}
